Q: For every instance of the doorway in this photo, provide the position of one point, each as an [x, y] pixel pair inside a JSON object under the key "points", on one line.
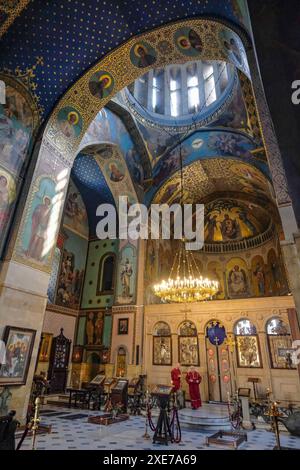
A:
{"points": [[218, 365]]}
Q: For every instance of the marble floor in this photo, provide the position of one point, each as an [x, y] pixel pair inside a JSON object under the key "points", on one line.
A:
{"points": [[78, 434]]}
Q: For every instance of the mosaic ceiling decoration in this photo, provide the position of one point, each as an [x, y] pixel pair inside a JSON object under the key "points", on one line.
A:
{"points": [[232, 220], [60, 30], [109, 128], [205, 178], [207, 144]]}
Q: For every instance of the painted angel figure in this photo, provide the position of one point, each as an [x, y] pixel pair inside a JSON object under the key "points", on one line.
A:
{"points": [[237, 281]]}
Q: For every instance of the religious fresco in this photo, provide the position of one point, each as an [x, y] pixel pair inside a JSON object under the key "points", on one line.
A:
{"points": [[258, 271], [69, 122], [41, 217], [237, 278], [235, 115], [72, 268], [162, 350], [277, 277], [94, 328], [7, 198], [16, 127], [126, 277], [205, 177], [214, 271], [101, 84], [115, 171], [248, 353], [108, 127], [240, 11], [38, 223], [188, 351], [230, 220], [234, 49], [188, 42], [75, 215], [207, 145], [142, 54], [157, 141]]}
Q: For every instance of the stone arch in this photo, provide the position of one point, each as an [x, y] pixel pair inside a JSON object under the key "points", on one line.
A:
{"points": [[81, 103]]}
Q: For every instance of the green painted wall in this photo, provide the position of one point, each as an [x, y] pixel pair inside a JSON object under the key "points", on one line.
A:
{"points": [[81, 331], [107, 330], [97, 249]]}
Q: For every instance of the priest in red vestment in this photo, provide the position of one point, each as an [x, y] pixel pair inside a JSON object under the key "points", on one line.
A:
{"points": [[193, 379], [176, 378]]}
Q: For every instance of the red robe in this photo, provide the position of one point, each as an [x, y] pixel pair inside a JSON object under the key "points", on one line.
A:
{"points": [[194, 379], [176, 377]]}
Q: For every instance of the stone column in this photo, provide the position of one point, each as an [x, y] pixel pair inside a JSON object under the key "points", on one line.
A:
{"points": [[265, 359], [175, 355], [284, 203]]}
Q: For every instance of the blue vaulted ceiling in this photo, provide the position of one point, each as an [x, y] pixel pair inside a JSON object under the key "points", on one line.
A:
{"points": [[71, 35], [91, 183]]}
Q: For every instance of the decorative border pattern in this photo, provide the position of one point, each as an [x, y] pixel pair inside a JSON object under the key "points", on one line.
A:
{"points": [[12, 12]]}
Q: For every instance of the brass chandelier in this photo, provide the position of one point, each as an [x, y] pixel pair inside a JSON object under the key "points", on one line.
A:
{"points": [[185, 283]]}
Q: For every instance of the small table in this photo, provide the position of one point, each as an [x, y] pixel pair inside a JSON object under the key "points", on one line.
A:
{"points": [[79, 394]]}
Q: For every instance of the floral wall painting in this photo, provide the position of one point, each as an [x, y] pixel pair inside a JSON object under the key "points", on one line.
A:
{"points": [[188, 42], [126, 275], [70, 122], [101, 84], [237, 278], [142, 54], [75, 215], [19, 343]]}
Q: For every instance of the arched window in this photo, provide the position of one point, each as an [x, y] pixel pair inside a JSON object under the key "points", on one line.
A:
{"points": [[175, 92], [180, 91], [280, 344], [188, 351], [193, 88], [247, 344], [158, 92], [106, 274], [162, 345]]}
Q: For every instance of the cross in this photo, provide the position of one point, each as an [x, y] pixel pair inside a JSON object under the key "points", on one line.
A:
{"points": [[217, 341]]}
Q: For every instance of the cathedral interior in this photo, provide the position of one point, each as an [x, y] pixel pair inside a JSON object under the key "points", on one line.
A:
{"points": [[164, 102]]}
